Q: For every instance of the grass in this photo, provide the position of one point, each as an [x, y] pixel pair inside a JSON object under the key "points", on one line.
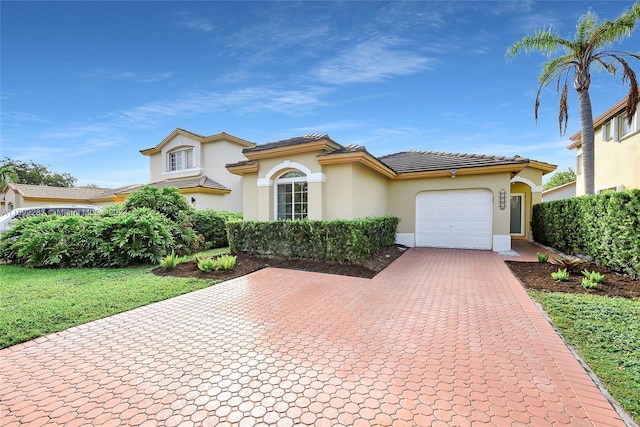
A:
{"points": [[606, 333], [37, 302]]}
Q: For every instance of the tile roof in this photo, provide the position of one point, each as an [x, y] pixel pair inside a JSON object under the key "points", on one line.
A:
{"points": [[423, 161], [289, 142], [199, 181], [77, 193]]}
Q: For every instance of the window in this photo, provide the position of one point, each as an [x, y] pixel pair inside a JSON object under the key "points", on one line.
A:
{"points": [[180, 160], [516, 225], [579, 165], [623, 126], [606, 132], [291, 196]]}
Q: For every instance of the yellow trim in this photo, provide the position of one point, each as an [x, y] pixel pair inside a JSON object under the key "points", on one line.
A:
{"points": [[360, 157], [545, 167], [305, 147], [480, 170], [202, 139], [242, 169]]}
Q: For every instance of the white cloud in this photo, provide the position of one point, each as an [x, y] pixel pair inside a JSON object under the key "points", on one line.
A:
{"points": [[372, 61], [104, 74]]}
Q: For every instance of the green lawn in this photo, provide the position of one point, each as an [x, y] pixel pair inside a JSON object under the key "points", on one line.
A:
{"points": [[37, 302], [606, 333]]}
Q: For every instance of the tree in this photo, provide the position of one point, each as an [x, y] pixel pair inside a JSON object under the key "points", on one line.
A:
{"points": [[560, 178], [36, 174], [589, 48], [7, 175]]}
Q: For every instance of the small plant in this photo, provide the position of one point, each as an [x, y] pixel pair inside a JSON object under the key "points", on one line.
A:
{"points": [[593, 276], [171, 261], [588, 284], [226, 262], [567, 263], [561, 275], [542, 257], [223, 262], [207, 264]]}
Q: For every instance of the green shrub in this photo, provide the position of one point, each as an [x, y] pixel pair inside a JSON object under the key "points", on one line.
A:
{"points": [[226, 262], [212, 226], [114, 238], [604, 226], [168, 201], [588, 284], [338, 240]]}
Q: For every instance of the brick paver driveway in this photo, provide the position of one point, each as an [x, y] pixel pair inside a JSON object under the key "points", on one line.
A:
{"points": [[442, 337]]}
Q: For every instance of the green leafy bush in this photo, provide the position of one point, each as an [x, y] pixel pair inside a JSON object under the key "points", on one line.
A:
{"points": [[114, 238], [561, 275], [604, 226], [588, 284], [338, 240], [212, 226], [168, 201], [567, 263]]}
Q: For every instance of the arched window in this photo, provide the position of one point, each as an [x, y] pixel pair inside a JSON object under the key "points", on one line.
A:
{"points": [[291, 195]]}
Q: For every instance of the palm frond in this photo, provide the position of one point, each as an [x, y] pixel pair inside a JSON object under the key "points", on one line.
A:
{"points": [[546, 41], [629, 76], [609, 32]]}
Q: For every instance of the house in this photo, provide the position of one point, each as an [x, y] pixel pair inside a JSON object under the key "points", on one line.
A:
{"points": [[25, 195], [442, 199], [564, 191], [616, 151], [196, 165]]}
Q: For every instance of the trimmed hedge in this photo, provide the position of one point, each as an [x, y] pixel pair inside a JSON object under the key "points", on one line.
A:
{"points": [[604, 226], [212, 225], [338, 240]]}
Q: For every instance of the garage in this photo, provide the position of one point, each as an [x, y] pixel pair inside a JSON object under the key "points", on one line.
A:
{"points": [[455, 219]]}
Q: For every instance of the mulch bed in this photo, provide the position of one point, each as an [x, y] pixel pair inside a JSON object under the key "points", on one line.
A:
{"points": [[537, 276], [532, 275], [246, 264]]}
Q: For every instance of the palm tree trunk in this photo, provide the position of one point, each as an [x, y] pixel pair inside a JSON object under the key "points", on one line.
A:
{"points": [[587, 137]]}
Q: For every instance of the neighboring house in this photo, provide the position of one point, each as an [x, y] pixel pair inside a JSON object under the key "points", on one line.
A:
{"points": [[442, 199], [616, 149], [196, 165], [25, 195], [564, 191]]}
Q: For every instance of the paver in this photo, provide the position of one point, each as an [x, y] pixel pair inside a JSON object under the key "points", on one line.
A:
{"points": [[441, 337]]}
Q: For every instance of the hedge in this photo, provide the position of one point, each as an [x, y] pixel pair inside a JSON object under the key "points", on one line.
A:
{"points": [[113, 238], [212, 226], [337, 240], [605, 227]]}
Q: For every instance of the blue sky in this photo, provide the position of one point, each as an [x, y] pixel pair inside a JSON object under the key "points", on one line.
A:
{"points": [[86, 85]]}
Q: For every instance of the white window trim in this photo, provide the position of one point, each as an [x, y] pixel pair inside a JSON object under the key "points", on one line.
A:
{"points": [[288, 181], [183, 150], [523, 202]]}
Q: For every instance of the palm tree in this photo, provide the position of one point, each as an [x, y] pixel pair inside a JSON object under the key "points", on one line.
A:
{"points": [[589, 48], [7, 175]]}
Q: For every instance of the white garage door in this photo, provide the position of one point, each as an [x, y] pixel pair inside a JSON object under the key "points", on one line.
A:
{"points": [[455, 219]]}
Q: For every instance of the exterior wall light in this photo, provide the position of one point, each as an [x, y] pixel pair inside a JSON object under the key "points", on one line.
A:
{"points": [[503, 199], [453, 173]]}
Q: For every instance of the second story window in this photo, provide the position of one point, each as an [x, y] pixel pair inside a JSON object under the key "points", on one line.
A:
{"points": [[625, 127], [180, 160]]}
